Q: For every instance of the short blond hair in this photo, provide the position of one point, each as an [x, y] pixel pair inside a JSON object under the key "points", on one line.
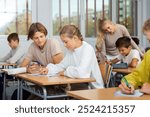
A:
{"points": [[146, 26]]}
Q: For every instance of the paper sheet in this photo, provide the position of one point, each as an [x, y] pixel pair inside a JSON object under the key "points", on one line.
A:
{"points": [[137, 93]]}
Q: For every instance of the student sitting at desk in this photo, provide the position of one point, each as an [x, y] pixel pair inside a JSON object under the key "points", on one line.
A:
{"points": [[15, 55], [127, 54], [42, 50], [80, 60], [141, 76]]}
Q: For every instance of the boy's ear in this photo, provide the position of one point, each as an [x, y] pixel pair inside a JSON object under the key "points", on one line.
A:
{"points": [[130, 47], [75, 37]]}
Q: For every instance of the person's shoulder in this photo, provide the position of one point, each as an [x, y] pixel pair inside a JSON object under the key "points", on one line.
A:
{"points": [[135, 50], [120, 26], [147, 53], [87, 47], [87, 44]]}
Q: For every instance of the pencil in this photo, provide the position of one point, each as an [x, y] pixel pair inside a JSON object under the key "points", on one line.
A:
{"points": [[126, 82]]}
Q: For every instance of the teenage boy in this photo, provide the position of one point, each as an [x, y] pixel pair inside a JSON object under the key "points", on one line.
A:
{"points": [[15, 55]]}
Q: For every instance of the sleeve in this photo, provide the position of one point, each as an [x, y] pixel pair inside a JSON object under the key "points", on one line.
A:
{"points": [[53, 69], [5, 58], [103, 47], [136, 55], [55, 47], [84, 68], [141, 74], [29, 54], [17, 56]]}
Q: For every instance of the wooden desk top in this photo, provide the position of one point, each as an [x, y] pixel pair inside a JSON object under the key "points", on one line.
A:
{"points": [[127, 71], [45, 80], [102, 94]]}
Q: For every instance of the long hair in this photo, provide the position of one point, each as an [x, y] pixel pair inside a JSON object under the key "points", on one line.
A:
{"points": [[101, 33]]}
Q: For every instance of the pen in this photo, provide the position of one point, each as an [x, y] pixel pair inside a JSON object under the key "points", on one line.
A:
{"points": [[126, 82]]}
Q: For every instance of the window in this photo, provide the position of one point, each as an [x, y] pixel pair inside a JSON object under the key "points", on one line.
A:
{"points": [[68, 12], [96, 9], [15, 16], [65, 12], [125, 15]]}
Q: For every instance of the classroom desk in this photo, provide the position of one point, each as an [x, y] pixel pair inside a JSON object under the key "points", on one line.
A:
{"points": [[5, 65], [44, 81], [126, 71], [102, 94]]}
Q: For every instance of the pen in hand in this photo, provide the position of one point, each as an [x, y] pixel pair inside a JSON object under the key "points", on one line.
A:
{"points": [[126, 82]]}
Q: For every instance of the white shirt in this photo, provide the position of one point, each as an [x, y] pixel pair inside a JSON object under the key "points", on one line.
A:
{"points": [[128, 59], [80, 63], [14, 56]]}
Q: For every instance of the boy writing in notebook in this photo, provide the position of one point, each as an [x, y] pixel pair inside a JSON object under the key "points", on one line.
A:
{"points": [[127, 54], [140, 78], [15, 55]]}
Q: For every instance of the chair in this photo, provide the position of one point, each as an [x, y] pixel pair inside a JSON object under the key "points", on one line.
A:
{"points": [[106, 71]]}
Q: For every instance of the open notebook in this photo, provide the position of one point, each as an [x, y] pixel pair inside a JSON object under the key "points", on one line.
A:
{"points": [[15, 70]]}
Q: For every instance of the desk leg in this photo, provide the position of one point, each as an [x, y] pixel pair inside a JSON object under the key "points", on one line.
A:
{"points": [[44, 93], [18, 89], [4, 87], [21, 89]]}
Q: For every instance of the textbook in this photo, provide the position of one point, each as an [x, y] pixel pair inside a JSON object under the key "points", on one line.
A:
{"points": [[120, 65], [15, 70]]}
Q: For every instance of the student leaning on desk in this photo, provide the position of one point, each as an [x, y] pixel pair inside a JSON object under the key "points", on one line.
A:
{"points": [[15, 55], [42, 50], [141, 76], [80, 60]]}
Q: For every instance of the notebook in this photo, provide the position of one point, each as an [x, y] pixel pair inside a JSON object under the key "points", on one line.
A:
{"points": [[15, 70], [137, 93]]}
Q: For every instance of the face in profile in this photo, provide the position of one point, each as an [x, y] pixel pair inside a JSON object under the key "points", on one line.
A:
{"points": [[124, 51], [108, 28], [69, 43], [39, 39], [13, 44]]}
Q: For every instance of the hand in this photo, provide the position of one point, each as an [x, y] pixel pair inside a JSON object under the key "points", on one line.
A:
{"points": [[146, 88], [34, 68], [108, 62], [123, 87], [43, 71], [61, 73]]}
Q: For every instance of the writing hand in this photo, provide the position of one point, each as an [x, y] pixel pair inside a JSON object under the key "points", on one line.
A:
{"points": [[125, 89]]}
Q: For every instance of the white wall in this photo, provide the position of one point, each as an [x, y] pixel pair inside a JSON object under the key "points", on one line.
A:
{"points": [[143, 15]]}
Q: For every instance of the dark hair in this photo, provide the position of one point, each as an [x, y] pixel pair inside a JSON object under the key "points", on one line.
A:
{"points": [[70, 31], [36, 27], [136, 40], [147, 48], [124, 41], [12, 36]]}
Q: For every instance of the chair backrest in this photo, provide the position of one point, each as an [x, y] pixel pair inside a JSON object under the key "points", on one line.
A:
{"points": [[108, 75], [106, 71]]}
